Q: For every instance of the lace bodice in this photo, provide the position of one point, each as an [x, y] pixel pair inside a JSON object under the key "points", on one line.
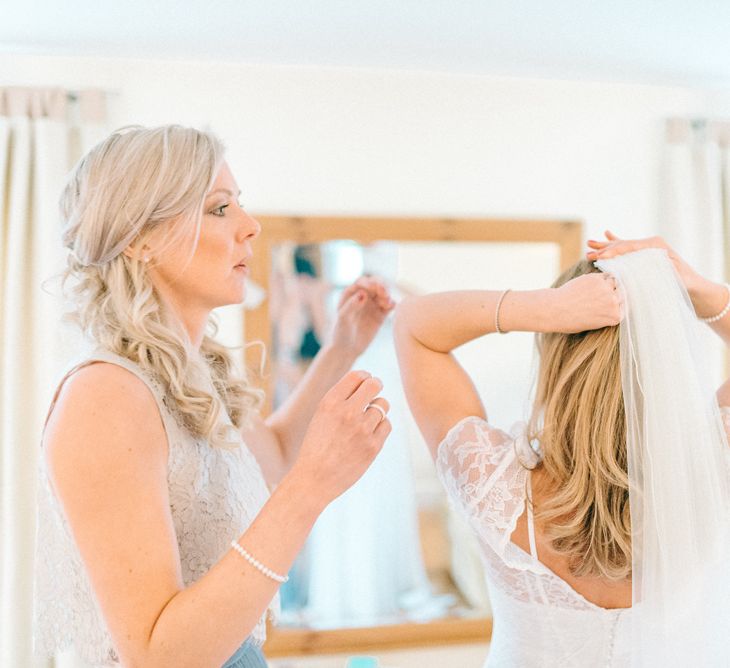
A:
{"points": [[539, 619], [214, 496]]}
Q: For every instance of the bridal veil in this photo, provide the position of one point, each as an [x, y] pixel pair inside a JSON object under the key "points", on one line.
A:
{"points": [[679, 483]]}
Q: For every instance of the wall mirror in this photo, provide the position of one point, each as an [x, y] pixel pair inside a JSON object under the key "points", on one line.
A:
{"points": [[389, 564]]}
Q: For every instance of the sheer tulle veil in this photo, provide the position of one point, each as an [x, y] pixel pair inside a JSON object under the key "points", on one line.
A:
{"points": [[679, 463]]}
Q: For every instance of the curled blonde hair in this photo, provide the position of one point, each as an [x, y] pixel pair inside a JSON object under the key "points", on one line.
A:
{"points": [[579, 420], [136, 183]]}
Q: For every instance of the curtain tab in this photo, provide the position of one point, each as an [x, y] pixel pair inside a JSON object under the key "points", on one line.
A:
{"points": [[16, 101], [678, 130], [56, 103], [722, 133], [92, 106], [686, 130], [33, 102]]}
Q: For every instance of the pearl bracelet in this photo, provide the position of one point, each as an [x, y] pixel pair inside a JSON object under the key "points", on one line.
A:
{"points": [[722, 313], [258, 565]]}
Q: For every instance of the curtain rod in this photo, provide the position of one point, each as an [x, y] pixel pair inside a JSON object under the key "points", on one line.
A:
{"points": [[679, 130], [73, 95], [697, 122]]}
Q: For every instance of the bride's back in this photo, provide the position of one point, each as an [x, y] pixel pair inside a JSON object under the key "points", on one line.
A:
{"points": [[601, 591], [549, 502]]}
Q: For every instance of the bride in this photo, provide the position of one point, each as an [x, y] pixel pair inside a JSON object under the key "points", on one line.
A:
{"points": [[603, 521]]}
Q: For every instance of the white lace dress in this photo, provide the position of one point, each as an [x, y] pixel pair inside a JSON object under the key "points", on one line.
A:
{"points": [[539, 619], [214, 496]]}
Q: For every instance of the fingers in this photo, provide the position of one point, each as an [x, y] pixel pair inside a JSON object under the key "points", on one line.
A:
{"points": [[360, 390], [596, 299], [619, 305], [365, 393], [598, 244], [354, 302], [379, 293], [616, 248], [603, 250], [616, 301], [372, 288], [611, 249], [347, 294], [385, 301], [375, 412], [346, 387], [382, 430]]}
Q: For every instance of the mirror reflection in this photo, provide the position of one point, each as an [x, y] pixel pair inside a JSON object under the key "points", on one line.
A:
{"points": [[390, 550]]}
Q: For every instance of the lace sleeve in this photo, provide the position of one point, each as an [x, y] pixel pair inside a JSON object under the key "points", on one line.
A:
{"points": [[478, 467]]}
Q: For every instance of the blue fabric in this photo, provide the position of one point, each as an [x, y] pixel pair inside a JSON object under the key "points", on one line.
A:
{"points": [[247, 655]]}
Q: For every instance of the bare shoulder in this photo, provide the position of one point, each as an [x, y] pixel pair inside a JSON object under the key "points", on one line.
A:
{"points": [[106, 449], [105, 405]]}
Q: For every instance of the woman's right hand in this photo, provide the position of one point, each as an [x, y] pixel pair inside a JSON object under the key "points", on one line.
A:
{"points": [[587, 302], [707, 297], [344, 436]]}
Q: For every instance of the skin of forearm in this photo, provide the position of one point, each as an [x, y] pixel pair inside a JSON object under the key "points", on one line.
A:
{"points": [[290, 421], [709, 299], [205, 623], [471, 314]]}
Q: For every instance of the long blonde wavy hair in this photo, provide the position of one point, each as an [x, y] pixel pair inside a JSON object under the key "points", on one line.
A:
{"points": [[579, 420], [136, 183]]}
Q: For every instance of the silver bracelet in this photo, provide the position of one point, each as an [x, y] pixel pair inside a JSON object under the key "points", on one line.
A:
{"points": [[722, 313], [496, 312], [258, 565]]}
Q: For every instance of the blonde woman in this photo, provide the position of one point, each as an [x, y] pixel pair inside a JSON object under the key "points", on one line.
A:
{"points": [[622, 432], [158, 541]]}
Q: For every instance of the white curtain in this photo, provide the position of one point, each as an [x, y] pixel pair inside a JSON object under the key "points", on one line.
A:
{"points": [[696, 202], [42, 133]]}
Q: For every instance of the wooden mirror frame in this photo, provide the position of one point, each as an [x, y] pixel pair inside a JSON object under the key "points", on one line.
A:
{"points": [[567, 234]]}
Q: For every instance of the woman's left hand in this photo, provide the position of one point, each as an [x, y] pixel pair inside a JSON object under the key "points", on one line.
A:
{"points": [[613, 246], [361, 311]]}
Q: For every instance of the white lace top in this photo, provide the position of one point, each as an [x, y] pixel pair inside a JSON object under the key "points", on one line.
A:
{"points": [[539, 619], [214, 496]]}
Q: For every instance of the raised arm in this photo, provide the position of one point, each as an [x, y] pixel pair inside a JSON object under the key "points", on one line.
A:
{"points": [[276, 441], [708, 298], [110, 474], [428, 328]]}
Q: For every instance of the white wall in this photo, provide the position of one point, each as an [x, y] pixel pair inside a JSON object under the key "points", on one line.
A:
{"points": [[316, 140]]}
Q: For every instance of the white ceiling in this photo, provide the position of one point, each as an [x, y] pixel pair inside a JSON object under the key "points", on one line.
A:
{"points": [[650, 41]]}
